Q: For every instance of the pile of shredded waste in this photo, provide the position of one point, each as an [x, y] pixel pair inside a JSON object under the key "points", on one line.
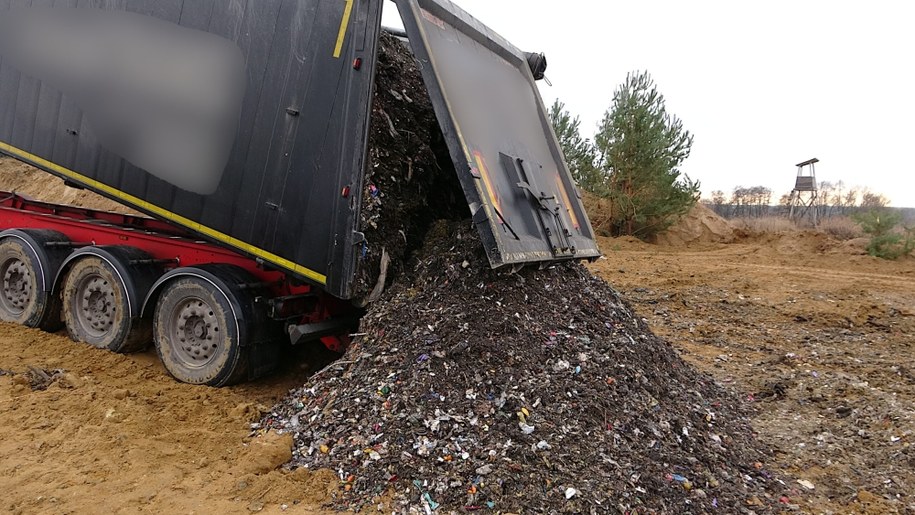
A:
{"points": [[471, 389], [410, 179], [534, 392]]}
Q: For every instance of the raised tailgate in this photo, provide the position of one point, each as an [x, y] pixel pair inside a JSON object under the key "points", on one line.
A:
{"points": [[524, 200]]}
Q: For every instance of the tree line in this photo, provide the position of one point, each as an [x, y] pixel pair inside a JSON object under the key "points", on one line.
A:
{"points": [[633, 163], [834, 199]]}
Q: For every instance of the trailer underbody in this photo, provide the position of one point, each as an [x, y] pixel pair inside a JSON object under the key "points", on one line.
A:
{"points": [[119, 281]]}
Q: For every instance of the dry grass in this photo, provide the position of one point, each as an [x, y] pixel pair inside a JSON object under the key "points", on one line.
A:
{"points": [[764, 225], [841, 228]]}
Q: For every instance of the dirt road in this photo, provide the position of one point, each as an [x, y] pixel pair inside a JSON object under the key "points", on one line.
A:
{"points": [[818, 337]]}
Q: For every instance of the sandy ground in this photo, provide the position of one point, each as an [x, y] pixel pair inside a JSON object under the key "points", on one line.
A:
{"points": [[115, 434], [815, 335]]}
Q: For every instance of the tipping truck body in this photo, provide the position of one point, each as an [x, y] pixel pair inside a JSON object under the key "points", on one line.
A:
{"points": [[244, 126]]}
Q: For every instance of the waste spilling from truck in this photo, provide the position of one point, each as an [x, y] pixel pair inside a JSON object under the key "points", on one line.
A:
{"points": [[540, 391], [535, 392]]}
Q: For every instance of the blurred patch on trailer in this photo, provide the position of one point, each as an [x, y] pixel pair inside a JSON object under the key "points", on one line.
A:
{"points": [[166, 98]]}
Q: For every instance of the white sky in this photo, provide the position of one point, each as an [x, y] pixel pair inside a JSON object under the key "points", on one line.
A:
{"points": [[761, 85]]}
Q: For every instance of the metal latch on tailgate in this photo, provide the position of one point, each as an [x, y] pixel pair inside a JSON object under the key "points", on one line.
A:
{"points": [[548, 207]]}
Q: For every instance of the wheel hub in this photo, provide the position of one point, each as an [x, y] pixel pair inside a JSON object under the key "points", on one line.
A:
{"points": [[197, 330], [96, 305], [17, 285]]}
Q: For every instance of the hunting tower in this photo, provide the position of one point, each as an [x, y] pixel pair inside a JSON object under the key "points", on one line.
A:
{"points": [[804, 196]]}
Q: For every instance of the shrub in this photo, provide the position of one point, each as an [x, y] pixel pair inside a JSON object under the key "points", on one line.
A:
{"points": [[886, 242]]}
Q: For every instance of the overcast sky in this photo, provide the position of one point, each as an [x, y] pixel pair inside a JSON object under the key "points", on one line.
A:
{"points": [[762, 86]]}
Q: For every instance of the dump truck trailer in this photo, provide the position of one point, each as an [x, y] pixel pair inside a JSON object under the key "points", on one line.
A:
{"points": [[240, 129]]}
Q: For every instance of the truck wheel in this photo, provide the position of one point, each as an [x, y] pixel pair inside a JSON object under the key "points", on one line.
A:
{"points": [[197, 334], [22, 300], [96, 310]]}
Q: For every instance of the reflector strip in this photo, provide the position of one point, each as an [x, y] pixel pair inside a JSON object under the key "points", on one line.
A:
{"points": [[568, 201], [487, 182]]}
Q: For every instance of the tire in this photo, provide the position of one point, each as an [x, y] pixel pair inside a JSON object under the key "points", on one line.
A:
{"points": [[96, 310], [22, 300], [196, 333]]}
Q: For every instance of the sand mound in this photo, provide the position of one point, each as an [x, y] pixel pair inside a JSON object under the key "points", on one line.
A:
{"points": [[854, 247], [700, 225], [33, 183]]}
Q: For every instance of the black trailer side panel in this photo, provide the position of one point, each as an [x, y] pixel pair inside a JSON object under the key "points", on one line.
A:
{"points": [[241, 120]]}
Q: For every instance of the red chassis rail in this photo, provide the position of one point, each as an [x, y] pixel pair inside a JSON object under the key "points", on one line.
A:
{"points": [[166, 242]]}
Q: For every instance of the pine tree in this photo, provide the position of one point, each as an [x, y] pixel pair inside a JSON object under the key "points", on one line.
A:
{"points": [[579, 151], [879, 223], [640, 148]]}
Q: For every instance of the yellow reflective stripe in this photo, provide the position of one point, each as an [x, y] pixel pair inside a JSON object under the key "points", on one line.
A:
{"points": [[487, 182], [344, 24], [565, 196], [168, 215]]}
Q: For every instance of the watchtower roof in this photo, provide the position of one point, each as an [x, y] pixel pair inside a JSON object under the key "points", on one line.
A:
{"points": [[808, 163]]}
